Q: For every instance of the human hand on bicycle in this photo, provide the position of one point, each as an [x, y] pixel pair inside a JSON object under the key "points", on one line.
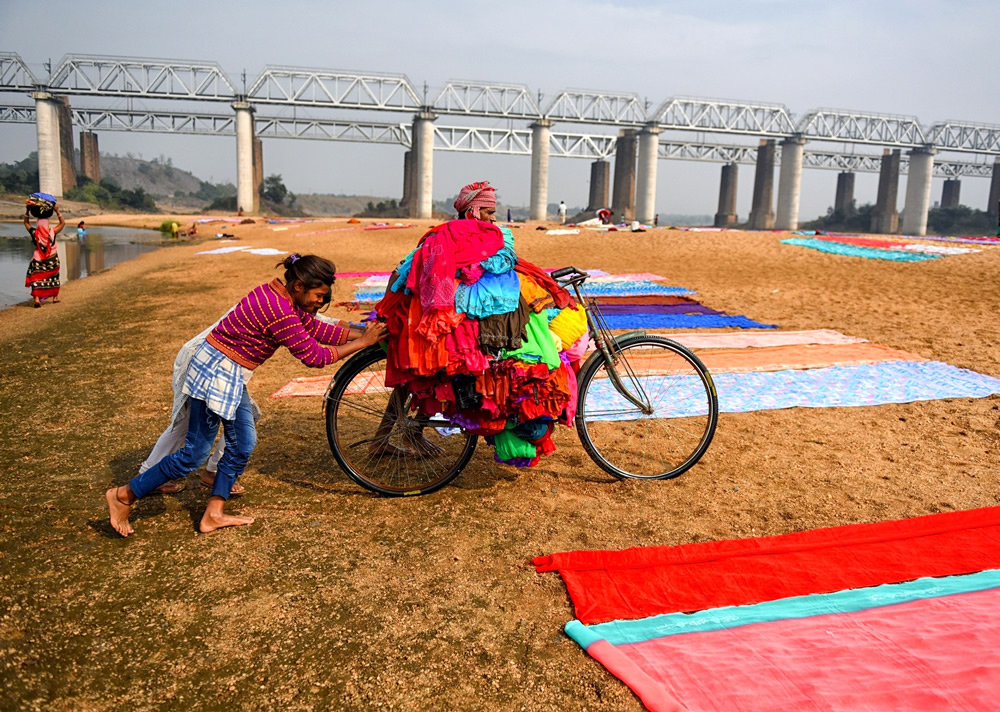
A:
{"points": [[375, 331]]}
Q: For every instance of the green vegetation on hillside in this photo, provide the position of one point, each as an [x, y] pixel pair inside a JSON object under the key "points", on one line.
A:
{"points": [[20, 177], [274, 198], [110, 195]]}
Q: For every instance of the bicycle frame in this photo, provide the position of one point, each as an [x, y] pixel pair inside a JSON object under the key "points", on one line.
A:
{"points": [[604, 340], [600, 334]]}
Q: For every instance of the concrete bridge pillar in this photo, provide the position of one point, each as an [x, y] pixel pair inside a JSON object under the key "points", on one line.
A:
{"points": [[993, 207], [49, 149], [407, 198], [790, 183], [67, 164], [885, 218], [600, 174], [918, 191], [623, 198], [950, 193], [727, 196], [258, 171], [645, 193], [843, 203], [90, 156], [423, 164], [761, 213], [541, 132], [246, 196]]}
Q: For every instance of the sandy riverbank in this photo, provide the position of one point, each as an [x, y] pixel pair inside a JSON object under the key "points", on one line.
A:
{"points": [[335, 598]]}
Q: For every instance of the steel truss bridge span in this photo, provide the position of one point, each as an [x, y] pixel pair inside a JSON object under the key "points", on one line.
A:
{"points": [[516, 142], [142, 78]]}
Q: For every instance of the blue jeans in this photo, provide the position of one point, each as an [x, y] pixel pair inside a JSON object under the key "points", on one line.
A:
{"points": [[240, 434]]}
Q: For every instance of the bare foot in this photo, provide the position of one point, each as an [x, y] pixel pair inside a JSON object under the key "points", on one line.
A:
{"points": [[423, 446], [171, 487], [208, 480], [119, 510], [212, 521]]}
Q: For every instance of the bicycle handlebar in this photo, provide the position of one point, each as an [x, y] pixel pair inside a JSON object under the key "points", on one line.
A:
{"points": [[572, 272]]}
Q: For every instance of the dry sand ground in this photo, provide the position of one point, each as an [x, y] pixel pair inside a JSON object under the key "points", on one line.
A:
{"points": [[336, 598]]}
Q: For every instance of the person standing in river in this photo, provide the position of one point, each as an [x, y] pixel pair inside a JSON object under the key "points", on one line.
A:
{"points": [[43, 270]]}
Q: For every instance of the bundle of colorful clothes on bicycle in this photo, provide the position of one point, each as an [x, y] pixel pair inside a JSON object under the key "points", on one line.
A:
{"points": [[488, 340]]}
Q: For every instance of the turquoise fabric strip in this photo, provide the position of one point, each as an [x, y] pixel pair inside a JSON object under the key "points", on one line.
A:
{"points": [[623, 632], [871, 253], [582, 634]]}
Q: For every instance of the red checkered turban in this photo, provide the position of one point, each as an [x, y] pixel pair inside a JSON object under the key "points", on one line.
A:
{"points": [[475, 196]]}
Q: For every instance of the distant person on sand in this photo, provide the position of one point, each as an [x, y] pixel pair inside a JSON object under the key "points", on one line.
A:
{"points": [[605, 215], [562, 213], [193, 230], [275, 314], [175, 229], [43, 270], [81, 231]]}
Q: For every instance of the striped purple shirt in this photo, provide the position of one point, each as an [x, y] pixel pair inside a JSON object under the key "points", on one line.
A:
{"points": [[267, 318]]}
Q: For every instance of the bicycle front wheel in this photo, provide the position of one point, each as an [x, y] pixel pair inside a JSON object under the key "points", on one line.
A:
{"points": [[671, 429], [379, 444]]}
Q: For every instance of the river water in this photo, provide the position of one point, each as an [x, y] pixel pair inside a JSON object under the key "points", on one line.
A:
{"points": [[103, 247]]}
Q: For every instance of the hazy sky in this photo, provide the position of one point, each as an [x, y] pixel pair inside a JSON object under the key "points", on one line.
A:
{"points": [[932, 60]]}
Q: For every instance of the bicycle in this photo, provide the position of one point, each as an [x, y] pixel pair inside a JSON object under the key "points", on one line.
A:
{"points": [[647, 409]]}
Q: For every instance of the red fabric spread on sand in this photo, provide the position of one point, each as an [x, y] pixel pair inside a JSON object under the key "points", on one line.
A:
{"points": [[635, 583]]}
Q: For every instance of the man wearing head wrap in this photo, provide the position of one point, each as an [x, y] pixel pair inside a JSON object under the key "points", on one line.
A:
{"points": [[477, 201]]}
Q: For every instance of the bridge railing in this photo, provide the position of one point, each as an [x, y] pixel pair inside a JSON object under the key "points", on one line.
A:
{"points": [[325, 88], [138, 77], [168, 79]]}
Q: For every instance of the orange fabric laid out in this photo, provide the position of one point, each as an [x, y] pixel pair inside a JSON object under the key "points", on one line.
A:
{"points": [[744, 339], [779, 358], [307, 386], [315, 386], [774, 358]]}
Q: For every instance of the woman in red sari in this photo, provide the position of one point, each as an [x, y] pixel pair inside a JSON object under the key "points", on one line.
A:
{"points": [[43, 270]]}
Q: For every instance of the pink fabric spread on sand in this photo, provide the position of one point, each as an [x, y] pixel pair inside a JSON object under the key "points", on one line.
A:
{"points": [[921, 656], [315, 386], [734, 340]]}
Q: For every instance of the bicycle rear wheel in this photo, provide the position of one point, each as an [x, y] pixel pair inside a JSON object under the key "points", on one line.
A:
{"points": [[379, 444], [678, 425]]}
